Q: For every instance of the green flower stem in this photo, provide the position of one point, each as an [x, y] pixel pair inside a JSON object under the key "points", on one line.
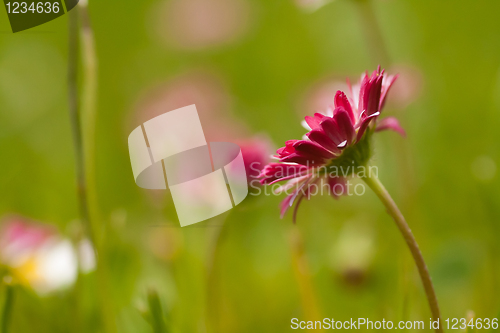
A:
{"points": [[156, 313], [379, 189], [82, 116], [76, 128], [7, 307], [302, 273], [212, 305], [88, 106]]}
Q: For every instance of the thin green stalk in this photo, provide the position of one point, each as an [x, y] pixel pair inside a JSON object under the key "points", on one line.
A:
{"points": [[156, 312], [89, 106], [212, 306], [7, 307], [76, 128], [302, 273], [374, 183], [82, 117]]}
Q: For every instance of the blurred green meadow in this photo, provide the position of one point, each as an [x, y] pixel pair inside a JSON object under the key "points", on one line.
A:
{"points": [[255, 68]]}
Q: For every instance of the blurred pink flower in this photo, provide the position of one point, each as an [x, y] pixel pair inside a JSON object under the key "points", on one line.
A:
{"points": [[208, 92], [256, 151], [201, 87], [17, 238], [335, 139], [311, 5], [321, 93], [199, 24], [409, 85]]}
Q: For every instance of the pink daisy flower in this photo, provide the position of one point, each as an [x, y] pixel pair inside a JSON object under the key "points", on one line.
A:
{"points": [[338, 138]]}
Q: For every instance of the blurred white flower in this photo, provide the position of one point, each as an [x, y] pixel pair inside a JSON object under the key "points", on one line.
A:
{"points": [[53, 266], [37, 256], [86, 256], [353, 252]]}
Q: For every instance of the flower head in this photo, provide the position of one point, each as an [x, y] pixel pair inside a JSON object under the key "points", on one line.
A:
{"points": [[337, 139]]}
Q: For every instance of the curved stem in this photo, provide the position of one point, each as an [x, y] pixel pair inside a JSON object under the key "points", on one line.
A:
{"points": [[374, 183]]}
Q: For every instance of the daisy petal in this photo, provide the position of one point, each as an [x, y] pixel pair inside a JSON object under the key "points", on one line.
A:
{"points": [[312, 148], [314, 122], [390, 123], [345, 125], [342, 101], [318, 135], [331, 129], [364, 125]]}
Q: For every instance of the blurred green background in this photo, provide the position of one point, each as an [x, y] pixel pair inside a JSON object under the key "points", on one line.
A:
{"points": [[261, 66]]}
